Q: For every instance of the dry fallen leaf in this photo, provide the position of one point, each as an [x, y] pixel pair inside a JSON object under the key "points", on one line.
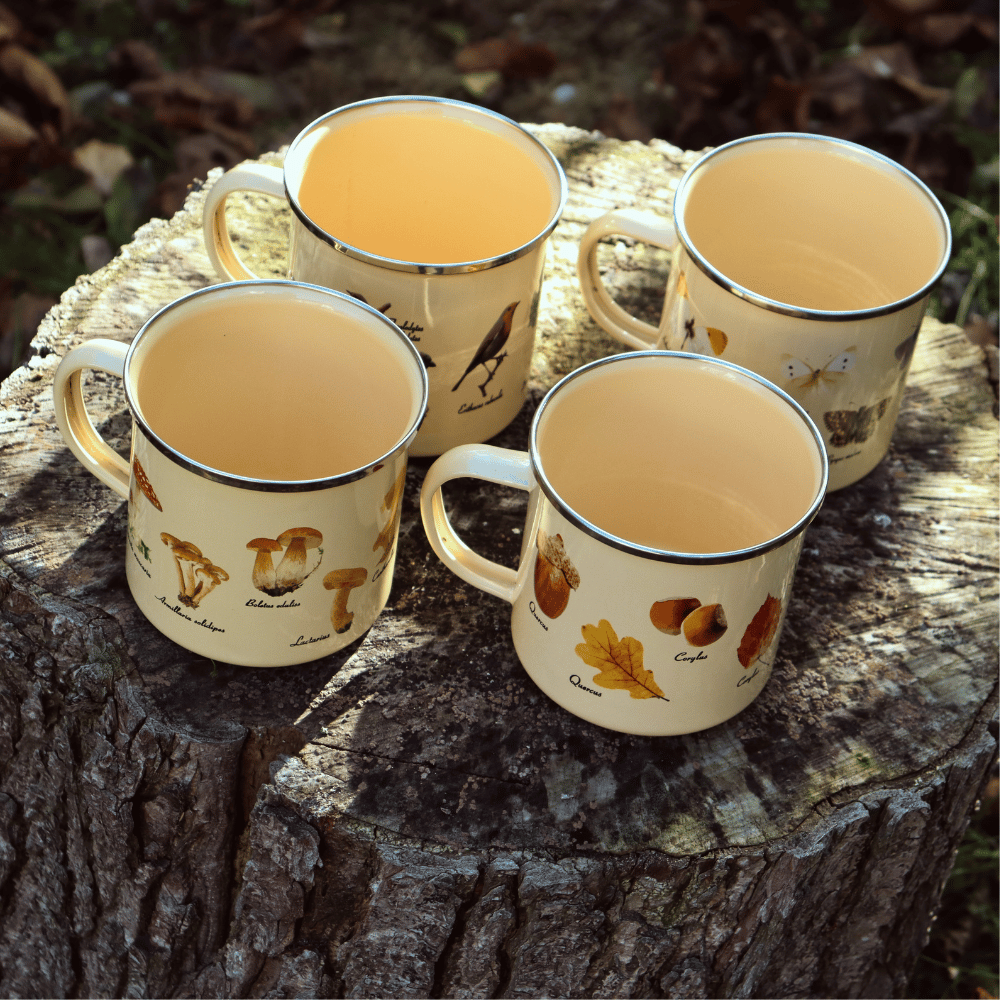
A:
{"points": [[619, 662], [15, 132], [102, 162], [19, 65]]}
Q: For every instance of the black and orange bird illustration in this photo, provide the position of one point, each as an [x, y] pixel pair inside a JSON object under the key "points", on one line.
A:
{"points": [[489, 349]]}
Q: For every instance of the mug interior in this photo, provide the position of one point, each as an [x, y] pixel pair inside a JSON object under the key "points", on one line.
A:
{"points": [[424, 181], [680, 454], [813, 222], [275, 382]]}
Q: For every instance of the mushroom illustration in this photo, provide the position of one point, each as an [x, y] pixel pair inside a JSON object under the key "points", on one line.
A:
{"points": [[263, 567], [391, 504], [185, 556], [292, 571], [343, 581], [210, 577], [143, 482]]}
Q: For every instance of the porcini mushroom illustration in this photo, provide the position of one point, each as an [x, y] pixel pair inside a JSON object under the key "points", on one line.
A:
{"points": [[210, 577], [185, 556], [292, 570], [263, 566], [343, 581]]}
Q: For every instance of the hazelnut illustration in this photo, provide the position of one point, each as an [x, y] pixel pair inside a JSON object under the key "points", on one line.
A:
{"points": [[555, 575], [343, 581], [705, 625], [669, 615], [760, 632]]}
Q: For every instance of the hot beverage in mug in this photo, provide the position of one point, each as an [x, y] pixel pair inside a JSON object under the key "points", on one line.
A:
{"points": [[424, 188]]}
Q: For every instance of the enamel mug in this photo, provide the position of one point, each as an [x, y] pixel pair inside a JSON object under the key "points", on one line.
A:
{"points": [[806, 259], [436, 213], [270, 423], [668, 497]]}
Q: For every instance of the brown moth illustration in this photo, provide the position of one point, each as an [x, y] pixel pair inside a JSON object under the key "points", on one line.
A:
{"points": [[854, 426]]}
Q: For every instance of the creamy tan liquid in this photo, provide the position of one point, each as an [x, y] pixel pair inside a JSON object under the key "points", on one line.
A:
{"points": [[679, 460], [425, 188], [814, 229], [271, 390]]}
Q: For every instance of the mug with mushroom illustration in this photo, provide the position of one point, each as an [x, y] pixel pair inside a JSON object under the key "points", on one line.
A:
{"points": [[271, 422], [660, 546], [804, 258], [437, 213]]}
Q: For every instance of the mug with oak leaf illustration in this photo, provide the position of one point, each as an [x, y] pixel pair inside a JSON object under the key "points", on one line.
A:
{"points": [[668, 498], [804, 258]]}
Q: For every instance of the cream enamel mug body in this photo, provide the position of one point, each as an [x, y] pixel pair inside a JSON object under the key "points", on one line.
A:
{"points": [[668, 497], [471, 318], [291, 556], [806, 259]]}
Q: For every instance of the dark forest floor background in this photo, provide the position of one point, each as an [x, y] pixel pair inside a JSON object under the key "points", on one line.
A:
{"points": [[110, 109]]}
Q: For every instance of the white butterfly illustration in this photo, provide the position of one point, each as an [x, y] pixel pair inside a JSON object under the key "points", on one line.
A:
{"points": [[805, 375]]}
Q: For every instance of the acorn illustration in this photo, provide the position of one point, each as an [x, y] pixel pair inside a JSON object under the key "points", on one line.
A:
{"points": [[490, 347], [555, 575]]}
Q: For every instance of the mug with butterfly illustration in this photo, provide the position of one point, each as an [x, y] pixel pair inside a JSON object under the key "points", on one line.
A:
{"points": [[806, 259]]}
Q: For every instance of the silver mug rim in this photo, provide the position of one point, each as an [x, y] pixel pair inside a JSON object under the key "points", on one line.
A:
{"points": [[773, 305], [394, 264]]}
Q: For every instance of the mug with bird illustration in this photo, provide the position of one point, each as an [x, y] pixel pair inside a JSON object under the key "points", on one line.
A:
{"points": [[437, 214]]}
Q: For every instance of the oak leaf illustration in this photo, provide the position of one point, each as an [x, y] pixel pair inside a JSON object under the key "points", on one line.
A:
{"points": [[619, 661]]}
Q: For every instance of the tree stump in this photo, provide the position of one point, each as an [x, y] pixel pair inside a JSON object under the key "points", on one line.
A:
{"points": [[411, 816]]}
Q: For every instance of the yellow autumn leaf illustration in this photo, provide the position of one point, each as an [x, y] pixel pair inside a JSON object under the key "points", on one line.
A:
{"points": [[619, 662]]}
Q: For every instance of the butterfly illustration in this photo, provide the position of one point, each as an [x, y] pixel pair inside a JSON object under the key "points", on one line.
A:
{"points": [[854, 426], [805, 375], [703, 339]]}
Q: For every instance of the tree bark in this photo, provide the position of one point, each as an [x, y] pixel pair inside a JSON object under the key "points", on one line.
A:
{"points": [[411, 816]]}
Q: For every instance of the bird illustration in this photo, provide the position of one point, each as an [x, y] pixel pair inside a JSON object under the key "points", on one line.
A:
{"points": [[492, 343]]}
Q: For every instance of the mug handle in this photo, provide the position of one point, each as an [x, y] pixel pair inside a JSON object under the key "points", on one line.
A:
{"points": [[471, 461], [260, 178], [638, 225], [71, 413]]}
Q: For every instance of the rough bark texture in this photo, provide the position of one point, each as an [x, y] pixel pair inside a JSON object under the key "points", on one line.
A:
{"points": [[410, 816]]}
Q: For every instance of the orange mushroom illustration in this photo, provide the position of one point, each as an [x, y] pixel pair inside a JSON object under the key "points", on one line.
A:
{"points": [[391, 504], [263, 568], [197, 576], [343, 581], [142, 481], [302, 555]]}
